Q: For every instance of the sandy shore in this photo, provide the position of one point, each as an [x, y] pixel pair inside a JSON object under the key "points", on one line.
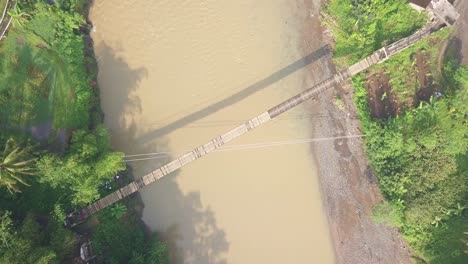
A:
{"points": [[348, 186]]}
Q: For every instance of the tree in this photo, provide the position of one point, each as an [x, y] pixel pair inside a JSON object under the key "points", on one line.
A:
{"points": [[117, 239], [15, 162], [363, 26], [121, 239], [86, 165], [28, 244], [6, 226], [157, 253]]}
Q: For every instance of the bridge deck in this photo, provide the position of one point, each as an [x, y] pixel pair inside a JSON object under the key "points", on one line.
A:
{"points": [[377, 57]]}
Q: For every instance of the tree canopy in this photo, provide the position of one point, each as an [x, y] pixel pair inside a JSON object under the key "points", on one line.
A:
{"points": [[45, 81], [363, 26], [87, 163], [420, 161]]}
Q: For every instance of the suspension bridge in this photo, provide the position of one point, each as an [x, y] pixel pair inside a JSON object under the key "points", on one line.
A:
{"points": [[6, 18], [443, 13]]}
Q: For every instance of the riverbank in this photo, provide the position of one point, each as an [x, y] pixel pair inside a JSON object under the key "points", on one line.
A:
{"points": [[349, 189], [431, 222], [57, 156]]}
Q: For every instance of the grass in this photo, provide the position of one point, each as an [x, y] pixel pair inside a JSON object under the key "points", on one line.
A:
{"points": [[47, 93], [339, 103], [27, 101]]}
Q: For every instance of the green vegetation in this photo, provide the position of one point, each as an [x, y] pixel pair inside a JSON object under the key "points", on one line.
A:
{"points": [[87, 163], [420, 160], [46, 83], [386, 213], [120, 239], [15, 162], [31, 241], [339, 103], [363, 26], [402, 68], [413, 110], [42, 71]]}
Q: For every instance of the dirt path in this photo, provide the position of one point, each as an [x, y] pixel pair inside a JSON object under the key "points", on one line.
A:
{"points": [[349, 188]]}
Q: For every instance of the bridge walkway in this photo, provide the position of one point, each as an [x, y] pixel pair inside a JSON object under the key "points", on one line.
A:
{"points": [[197, 153]]}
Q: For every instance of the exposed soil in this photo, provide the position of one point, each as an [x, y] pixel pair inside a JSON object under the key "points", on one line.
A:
{"points": [[382, 102], [426, 88]]}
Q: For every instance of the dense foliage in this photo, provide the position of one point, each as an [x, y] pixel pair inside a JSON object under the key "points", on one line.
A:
{"points": [[363, 26], [42, 70], [86, 164], [419, 149], [119, 239], [32, 241], [420, 160], [45, 86]]}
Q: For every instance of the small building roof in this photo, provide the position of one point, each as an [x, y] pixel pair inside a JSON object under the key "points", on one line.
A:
{"points": [[421, 3]]}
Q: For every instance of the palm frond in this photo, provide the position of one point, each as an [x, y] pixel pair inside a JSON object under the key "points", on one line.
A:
{"points": [[11, 156], [16, 161], [23, 163], [19, 179]]}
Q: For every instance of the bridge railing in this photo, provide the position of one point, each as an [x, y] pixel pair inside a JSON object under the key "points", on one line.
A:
{"points": [[376, 57]]}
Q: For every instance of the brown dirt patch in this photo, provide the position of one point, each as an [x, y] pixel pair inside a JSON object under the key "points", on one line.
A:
{"points": [[382, 102], [425, 80]]}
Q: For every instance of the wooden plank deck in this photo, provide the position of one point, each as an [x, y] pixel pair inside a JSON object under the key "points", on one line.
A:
{"points": [[375, 58]]}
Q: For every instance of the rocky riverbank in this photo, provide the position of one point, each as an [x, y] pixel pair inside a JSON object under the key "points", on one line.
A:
{"points": [[348, 186]]}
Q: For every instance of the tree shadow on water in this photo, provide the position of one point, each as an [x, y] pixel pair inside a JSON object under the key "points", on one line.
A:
{"points": [[118, 85], [189, 227]]}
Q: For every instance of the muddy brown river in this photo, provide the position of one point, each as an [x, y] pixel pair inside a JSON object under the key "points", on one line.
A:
{"points": [[174, 74]]}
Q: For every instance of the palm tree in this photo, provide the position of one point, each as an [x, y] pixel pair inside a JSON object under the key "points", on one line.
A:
{"points": [[15, 162], [18, 16]]}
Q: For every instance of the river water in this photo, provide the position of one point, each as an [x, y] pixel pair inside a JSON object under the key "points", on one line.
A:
{"points": [[174, 74]]}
